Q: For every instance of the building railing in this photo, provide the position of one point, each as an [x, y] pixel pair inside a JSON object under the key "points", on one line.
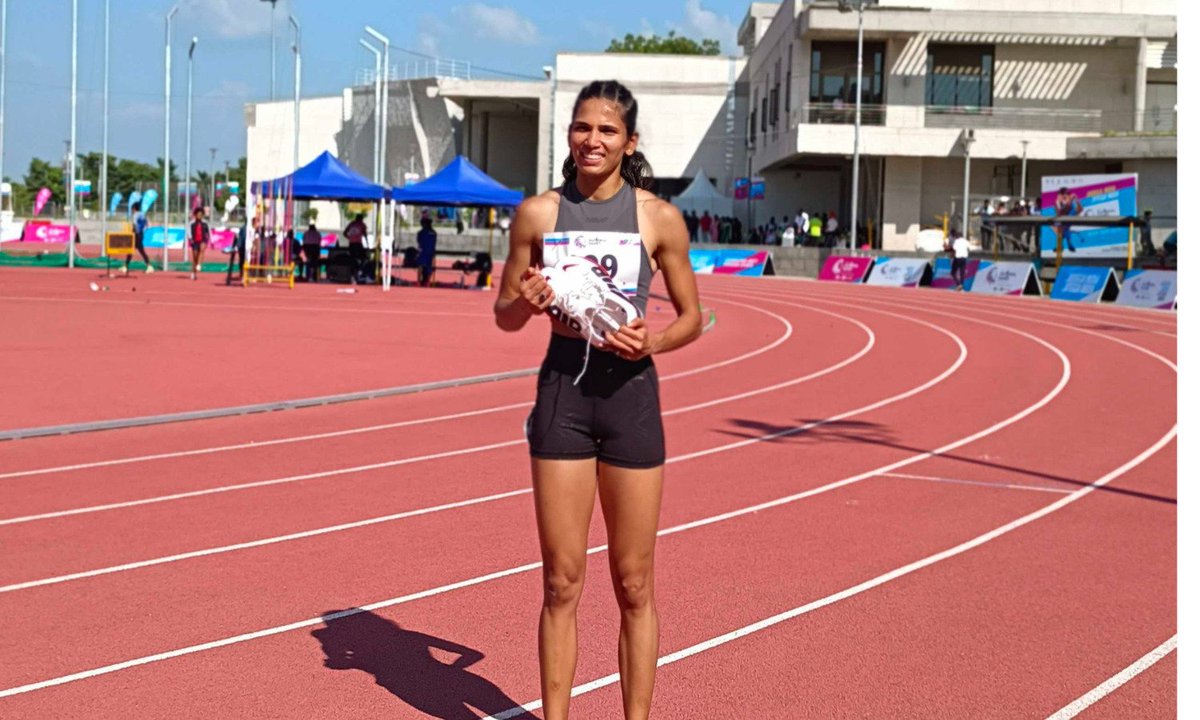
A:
{"points": [[1061, 119], [839, 114]]}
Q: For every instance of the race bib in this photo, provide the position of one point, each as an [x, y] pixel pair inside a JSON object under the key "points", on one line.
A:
{"points": [[619, 253]]}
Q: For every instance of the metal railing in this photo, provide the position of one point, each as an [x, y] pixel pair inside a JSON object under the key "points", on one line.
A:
{"points": [[419, 68], [1063, 119], [839, 114]]}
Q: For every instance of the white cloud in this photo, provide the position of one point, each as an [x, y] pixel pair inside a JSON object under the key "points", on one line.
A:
{"points": [[232, 19], [700, 24], [498, 24]]}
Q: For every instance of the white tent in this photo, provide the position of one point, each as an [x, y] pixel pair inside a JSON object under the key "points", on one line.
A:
{"points": [[701, 196]]}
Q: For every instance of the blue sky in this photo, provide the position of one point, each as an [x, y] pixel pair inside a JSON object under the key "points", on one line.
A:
{"points": [[232, 62]]}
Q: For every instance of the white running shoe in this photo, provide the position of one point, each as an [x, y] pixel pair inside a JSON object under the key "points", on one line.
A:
{"points": [[586, 299]]}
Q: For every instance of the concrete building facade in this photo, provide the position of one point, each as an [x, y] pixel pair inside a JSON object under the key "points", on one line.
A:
{"points": [[1076, 87]]}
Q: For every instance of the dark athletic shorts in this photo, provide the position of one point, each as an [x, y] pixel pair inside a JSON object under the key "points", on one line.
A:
{"points": [[612, 414]]}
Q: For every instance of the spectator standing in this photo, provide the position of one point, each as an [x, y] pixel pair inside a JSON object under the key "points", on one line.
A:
{"points": [[312, 253], [814, 229], [427, 250], [705, 226], [959, 250], [356, 233], [199, 235]]}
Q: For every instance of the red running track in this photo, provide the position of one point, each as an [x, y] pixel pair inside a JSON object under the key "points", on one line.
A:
{"points": [[880, 502]]}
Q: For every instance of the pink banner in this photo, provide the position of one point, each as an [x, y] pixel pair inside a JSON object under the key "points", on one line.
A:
{"points": [[220, 239], [46, 233], [40, 200], [329, 240], [839, 268]]}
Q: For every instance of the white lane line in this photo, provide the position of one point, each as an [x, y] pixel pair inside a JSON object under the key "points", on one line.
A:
{"points": [[788, 330], [1098, 693], [107, 669], [348, 526], [980, 483], [244, 306], [389, 463], [257, 484], [872, 583], [265, 541]]}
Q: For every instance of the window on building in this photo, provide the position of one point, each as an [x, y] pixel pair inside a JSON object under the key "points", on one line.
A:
{"points": [[764, 113], [959, 75], [835, 69], [787, 88]]}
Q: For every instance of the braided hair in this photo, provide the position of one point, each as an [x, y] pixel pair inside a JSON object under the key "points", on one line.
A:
{"points": [[635, 169]]}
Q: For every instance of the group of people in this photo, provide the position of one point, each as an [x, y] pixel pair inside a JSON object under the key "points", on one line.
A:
{"points": [[199, 237], [716, 229], [816, 230]]}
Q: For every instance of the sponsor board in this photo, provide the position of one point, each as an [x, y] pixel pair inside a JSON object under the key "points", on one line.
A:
{"points": [[1006, 278], [900, 272], [941, 274], [1099, 196], [1149, 288], [732, 262], [841, 268], [1085, 284], [153, 237]]}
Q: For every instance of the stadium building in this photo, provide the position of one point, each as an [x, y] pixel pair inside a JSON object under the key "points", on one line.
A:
{"points": [[1034, 89]]}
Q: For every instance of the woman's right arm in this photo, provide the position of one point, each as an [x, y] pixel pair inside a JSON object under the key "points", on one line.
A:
{"points": [[523, 291]]}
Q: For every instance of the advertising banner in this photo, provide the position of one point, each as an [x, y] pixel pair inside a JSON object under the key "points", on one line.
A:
{"points": [[755, 188], [1085, 284], [731, 262], [154, 237], [840, 268], [941, 274], [1006, 278], [900, 272], [1099, 196], [1149, 288], [46, 233]]}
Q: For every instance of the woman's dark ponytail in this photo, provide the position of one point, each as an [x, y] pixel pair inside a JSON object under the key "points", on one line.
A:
{"points": [[635, 169]]}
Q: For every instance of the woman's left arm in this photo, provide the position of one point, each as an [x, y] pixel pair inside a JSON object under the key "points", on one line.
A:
{"points": [[635, 341]]}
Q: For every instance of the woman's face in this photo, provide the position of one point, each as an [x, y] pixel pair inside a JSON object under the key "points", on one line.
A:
{"points": [[598, 138]]}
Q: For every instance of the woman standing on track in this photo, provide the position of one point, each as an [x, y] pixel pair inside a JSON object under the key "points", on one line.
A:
{"points": [[604, 432]]}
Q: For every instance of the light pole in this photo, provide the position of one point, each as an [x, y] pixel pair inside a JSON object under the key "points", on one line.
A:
{"points": [[378, 90], [212, 180], [3, 77], [296, 106], [103, 204], [844, 6], [386, 77], [968, 137], [187, 147], [166, 193], [74, 114], [1024, 158], [272, 46]]}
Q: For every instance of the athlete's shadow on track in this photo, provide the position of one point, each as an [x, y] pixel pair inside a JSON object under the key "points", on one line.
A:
{"points": [[403, 664], [857, 431]]}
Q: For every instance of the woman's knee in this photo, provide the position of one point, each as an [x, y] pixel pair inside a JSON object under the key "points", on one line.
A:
{"points": [[634, 587], [563, 585]]}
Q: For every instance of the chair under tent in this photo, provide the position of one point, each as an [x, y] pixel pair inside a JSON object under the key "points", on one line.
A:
{"points": [[459, 184], [324, 178]]}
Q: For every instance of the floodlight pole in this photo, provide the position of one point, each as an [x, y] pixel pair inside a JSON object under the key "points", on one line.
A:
{"points": [[166, 194], [74, 115], [378, 90], [103, 204], [383, 131], [187, 162]]}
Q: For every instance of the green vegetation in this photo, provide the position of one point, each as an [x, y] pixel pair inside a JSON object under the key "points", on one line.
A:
{"points": [[669, 45]]}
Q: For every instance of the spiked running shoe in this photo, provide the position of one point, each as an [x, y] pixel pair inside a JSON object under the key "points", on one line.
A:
{"points": [[586, 299]]}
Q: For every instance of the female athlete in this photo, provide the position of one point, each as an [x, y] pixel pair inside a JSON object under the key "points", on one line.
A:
{"points": [[603, 432]]}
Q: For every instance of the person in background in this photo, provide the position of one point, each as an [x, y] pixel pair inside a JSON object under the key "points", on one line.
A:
{"points": [[830, 229], [427, 244], [139, 240], [312, 253], [957, 246], [814, 229], [199, 236], [238, 249], [705, 226], [356, 233], [505, 223]]}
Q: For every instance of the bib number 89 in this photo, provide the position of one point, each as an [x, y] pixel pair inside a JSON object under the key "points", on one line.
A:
{"points": [[608, 262]]}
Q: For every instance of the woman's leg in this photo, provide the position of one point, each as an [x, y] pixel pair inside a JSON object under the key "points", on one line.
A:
{"points": [[564, 494], [630, 500]]}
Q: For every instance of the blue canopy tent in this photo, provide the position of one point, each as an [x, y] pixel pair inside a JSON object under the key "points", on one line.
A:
{"points": [[325, 178], [459, 184]]}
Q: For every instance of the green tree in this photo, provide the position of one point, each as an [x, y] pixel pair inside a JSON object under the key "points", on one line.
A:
{"points": [[669, 45]]}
